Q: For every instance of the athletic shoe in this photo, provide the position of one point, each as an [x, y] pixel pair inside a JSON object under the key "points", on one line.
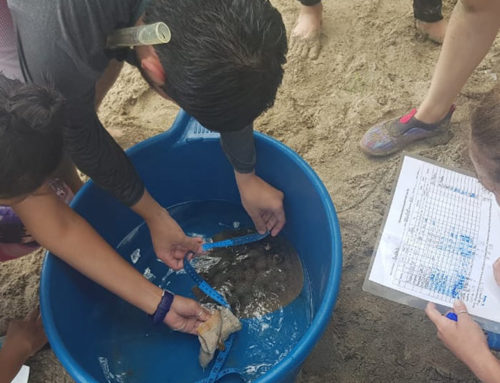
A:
{"points": [[391, 136]]}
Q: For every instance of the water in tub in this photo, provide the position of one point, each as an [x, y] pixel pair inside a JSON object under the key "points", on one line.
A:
{"points": [[264, 282]]}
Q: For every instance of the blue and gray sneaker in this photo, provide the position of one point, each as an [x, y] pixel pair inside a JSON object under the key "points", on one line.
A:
{"points": [[391, 136]]}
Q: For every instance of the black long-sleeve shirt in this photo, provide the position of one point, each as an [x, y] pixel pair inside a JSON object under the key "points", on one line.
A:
{"points": [[63, 41]]}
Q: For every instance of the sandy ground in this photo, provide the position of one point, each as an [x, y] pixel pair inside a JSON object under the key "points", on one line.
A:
{"points": [[372, 66]]}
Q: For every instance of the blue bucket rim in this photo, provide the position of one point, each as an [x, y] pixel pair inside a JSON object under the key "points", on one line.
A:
{"points": [[301, 350]]}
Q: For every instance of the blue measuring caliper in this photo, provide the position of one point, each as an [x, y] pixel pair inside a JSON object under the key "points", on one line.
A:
{"points": [[216, 373], [237, 241]]}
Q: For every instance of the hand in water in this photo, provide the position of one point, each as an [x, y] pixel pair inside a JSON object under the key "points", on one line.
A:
{"points": [[263, 203], [185, 315], [169, 241]]}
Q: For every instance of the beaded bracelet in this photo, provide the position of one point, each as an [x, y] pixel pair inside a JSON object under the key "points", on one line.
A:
{"points": [[163, 307]]}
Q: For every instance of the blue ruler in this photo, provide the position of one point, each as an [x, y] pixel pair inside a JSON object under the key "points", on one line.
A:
{"points": [[202, 284], [237, 241], [215, 373]]}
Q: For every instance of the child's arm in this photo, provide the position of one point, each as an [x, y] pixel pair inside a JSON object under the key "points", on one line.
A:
{"points": [[466, 340], [59, 229], [24, 338]]}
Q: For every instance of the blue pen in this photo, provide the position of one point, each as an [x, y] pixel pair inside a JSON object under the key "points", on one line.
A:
{"points": [[451, 315], [493, 339]]}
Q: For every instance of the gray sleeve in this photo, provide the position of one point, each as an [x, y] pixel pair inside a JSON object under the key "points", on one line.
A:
{"points": [[239, 147], [63, 41], [98, 155]]}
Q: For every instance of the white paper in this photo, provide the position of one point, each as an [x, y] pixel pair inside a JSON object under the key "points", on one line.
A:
{"points": [[440, 239], [23, 375]]}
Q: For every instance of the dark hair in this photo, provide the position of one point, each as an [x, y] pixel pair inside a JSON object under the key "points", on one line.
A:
{"points": [[224, 63], [485, 127], [31, 141]]}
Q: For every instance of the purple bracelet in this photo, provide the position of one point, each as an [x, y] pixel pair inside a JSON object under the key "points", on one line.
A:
{"points": [[163, 307]]}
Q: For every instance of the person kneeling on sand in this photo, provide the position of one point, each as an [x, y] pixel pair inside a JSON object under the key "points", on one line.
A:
{"points": [[32, 119], [465, 337]]}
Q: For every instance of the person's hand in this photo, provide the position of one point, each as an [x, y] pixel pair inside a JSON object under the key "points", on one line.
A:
{"points": [[496, 271], [263, 203], [26, 337], [169, 241], [185, 315], [464, 338]]}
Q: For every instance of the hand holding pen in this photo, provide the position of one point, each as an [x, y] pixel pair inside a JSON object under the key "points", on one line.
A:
{"points": [[465, 338]]}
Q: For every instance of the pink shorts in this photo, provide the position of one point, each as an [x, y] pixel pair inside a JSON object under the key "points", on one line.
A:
{"points": [[15, 241]]}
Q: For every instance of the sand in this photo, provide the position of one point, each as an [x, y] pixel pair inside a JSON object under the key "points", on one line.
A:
{"points": [[371, 67]]}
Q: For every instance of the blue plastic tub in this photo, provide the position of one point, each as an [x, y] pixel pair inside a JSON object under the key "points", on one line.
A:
{"points": [[99, 338]]}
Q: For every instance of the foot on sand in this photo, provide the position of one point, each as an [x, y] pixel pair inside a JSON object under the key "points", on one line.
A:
{"points": [[305, 37], [432, 31]]}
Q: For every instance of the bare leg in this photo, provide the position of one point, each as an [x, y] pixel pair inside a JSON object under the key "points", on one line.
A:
{"points": [[305, 38], [472, 29], [107, 80]]}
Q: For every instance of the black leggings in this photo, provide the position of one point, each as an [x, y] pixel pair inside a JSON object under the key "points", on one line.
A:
{"points": [[424, 10], [427, 10], [309, 2]]}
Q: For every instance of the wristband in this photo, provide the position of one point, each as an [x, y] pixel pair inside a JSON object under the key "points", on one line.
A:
{"points": [[163, 307]]}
